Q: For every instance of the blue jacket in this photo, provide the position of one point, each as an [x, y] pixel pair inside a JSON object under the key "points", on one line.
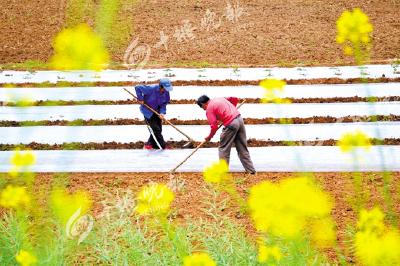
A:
{"points": [[151, 96]]}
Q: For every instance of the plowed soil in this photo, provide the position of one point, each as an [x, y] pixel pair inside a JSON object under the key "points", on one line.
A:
{"points": [[178, 144], [174, 121], [255, 33], [247, 100], [227, 82], [267, 33], [190, 203]]}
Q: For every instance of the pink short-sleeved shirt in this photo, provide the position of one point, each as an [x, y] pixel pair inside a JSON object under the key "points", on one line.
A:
{"points": [[220, 109]]}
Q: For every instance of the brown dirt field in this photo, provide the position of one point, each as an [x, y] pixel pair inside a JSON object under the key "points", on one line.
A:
{"points": [[247, 100], [276, 32], [227, 82], [178, 144], [174, 121], [28, 27], [190, 202], [273, 32]]}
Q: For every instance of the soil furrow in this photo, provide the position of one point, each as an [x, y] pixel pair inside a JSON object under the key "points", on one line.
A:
{"points": [[249, 121], [227, 82], [188, 101], [177, 144]]}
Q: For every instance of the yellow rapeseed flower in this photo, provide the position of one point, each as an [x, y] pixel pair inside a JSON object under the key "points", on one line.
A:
{"points": [[373, 250], [65, 205], [351, 140], [273, 84], [198, 259], [273, 87], [154, 199], [371, 221], [21, 161], [353, 31], [24, 258], [24, 102], [374, 244], [347, 50], [286, 208], [79, 48], [14, 197], [268, 253], [217, 172], [323, 233]]}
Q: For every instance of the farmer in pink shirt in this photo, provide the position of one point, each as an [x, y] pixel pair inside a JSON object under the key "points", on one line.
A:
{"points": [[224, 110]]}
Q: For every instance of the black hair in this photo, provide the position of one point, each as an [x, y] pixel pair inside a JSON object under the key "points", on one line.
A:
{"points": [[202, 100]]}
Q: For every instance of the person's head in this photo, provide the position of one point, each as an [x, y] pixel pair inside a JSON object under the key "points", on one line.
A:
{"points": [[202, 101], [165, 84]]}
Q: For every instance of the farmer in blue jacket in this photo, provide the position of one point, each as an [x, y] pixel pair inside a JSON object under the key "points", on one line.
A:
{"points": [[157, 97]]}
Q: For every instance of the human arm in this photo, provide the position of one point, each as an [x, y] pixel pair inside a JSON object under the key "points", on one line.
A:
{"points": [[141, 92], [212, 120], [233, 100], [163, 107]]}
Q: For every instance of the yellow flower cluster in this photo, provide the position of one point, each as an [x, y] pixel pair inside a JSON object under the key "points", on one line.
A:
{"points": [[291, 207], [371, 221], [198, 259], [323, 233], [20, 101], [24, 102], [269, 253], [273, 84], [273, 87], [14, 197], [65, 205], [154, 199], [353, 30], [24, 258], [79, 48], [21, 161], [374, 243], [349, 141], [217, 172]]}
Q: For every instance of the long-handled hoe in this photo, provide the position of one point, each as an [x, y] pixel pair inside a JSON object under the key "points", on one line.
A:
{"points": [[188, 144], [178, 184]]}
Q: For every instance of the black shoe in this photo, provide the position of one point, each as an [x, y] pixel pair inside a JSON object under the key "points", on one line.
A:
{"points": [[251, 173]]}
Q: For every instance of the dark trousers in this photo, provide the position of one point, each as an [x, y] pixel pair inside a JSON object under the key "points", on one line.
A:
{"points": [[155, 123], [235, 132]]}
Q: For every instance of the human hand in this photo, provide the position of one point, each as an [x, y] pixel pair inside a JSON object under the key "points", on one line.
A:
{"points": [[140, 102], [208, 138], [162, 117]]}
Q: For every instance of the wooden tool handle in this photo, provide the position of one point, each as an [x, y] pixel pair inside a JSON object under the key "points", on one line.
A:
{"points": [[198, 147], [154, 111]]}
